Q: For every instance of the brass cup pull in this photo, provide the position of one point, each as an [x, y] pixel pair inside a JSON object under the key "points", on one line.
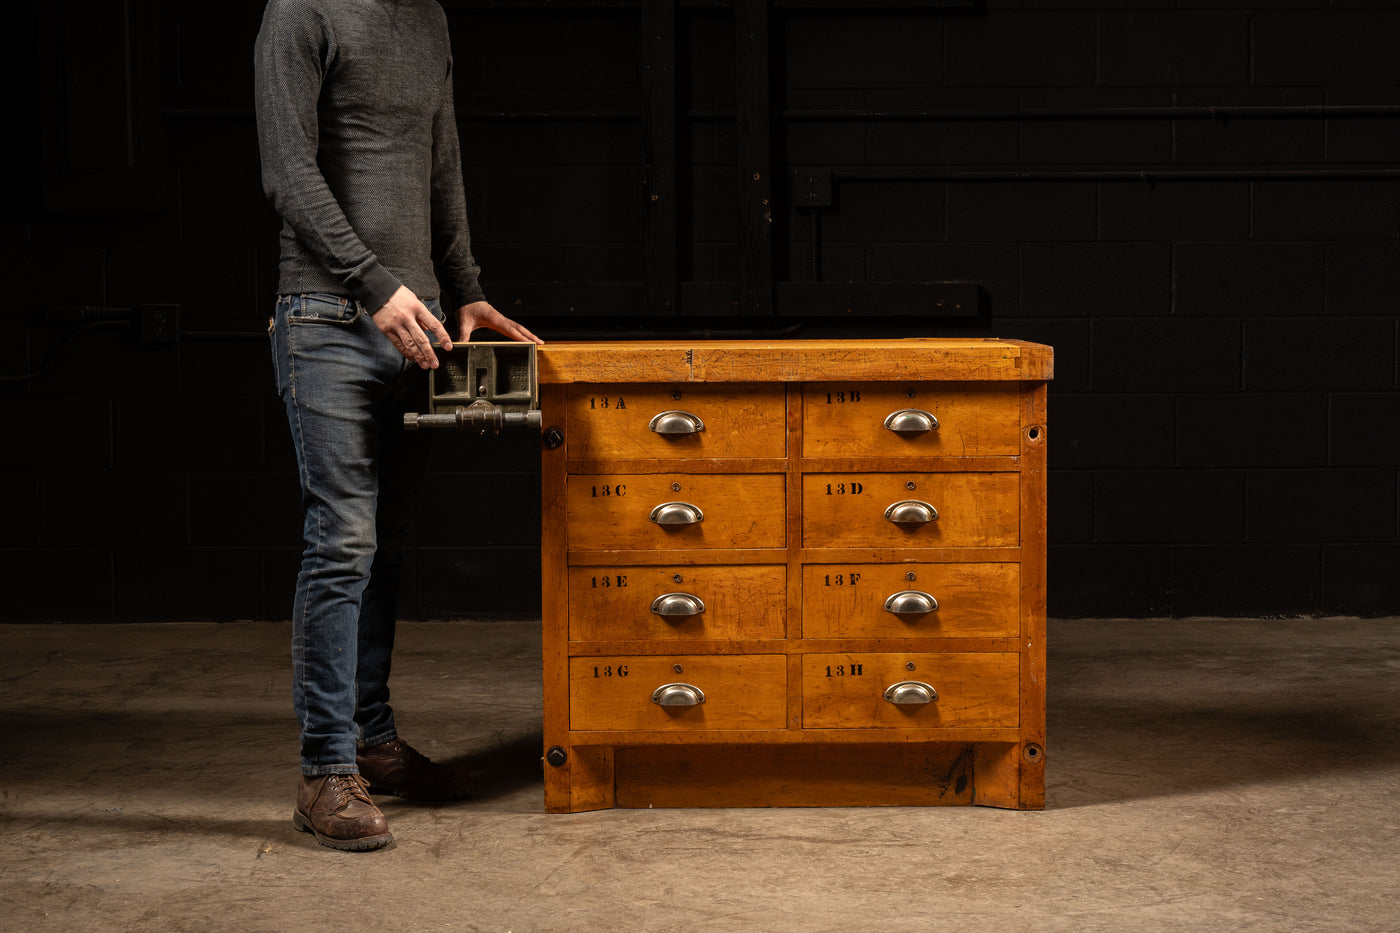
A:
{"points": [[677, 606], [910, 693], [676, 513], [678, 695], [911, 512], [676, 423], [911, 605], [911, 421]]}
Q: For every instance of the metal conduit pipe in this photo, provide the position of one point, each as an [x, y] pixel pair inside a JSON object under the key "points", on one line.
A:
{"points": [[1130, 174], [1208, 112]]}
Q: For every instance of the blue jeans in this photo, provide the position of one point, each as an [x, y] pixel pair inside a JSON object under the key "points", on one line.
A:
{"points": [[345, 389]]}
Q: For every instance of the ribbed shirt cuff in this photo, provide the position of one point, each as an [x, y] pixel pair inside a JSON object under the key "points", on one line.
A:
{"points": [[467, 293], [373, 286]]}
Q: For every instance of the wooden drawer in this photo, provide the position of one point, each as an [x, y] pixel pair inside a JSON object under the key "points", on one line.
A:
{"points": [[616, 422], [740, 692], [970, 600], [946, 419], [847, 691], [849, 509], [612, 603], [614, 511]]}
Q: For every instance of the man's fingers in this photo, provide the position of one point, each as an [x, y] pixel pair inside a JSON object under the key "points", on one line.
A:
{"points": [[430, 321], [508, 328], [513, 330], [481, 314], [415, 345]]}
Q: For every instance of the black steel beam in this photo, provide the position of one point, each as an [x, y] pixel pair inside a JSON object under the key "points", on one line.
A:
{"points": [[755, 156], [659, 192]]}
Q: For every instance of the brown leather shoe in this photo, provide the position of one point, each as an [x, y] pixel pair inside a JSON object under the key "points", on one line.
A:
{"points": [[393, 767], [337, 808]]}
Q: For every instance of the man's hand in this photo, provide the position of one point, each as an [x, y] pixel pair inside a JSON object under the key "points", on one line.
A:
{"points": [[408, 324], [481, 314]]}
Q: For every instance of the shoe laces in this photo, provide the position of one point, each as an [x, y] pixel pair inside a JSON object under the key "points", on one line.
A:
{"points": [[349, 787], [410, 754]]}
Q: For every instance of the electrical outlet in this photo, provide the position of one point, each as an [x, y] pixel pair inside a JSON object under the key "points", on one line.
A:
{"points": [[160, 324]]}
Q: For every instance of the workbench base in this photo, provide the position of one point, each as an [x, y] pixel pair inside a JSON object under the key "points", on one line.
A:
{"points": [[915, 774]]}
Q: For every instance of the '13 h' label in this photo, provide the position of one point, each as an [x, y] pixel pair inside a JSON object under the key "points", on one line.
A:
{"points": [[841, 670]]}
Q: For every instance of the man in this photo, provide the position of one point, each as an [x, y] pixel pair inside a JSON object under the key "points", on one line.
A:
{"points": [[361, 159]]}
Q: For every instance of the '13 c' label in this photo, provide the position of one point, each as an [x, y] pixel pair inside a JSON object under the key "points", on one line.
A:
{"points": [[608, 489]]}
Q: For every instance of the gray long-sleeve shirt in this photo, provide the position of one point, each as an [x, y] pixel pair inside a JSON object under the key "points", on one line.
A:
{"points": [[359, 147]]}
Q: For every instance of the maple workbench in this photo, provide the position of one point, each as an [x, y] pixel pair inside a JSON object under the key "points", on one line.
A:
{"points": [[804, 573]]}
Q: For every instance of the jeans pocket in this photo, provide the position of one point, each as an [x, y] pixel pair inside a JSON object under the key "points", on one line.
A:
{"points": [[322, 309]]}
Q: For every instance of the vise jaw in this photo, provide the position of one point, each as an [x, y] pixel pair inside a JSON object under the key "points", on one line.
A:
{"points": [[486, 386]]}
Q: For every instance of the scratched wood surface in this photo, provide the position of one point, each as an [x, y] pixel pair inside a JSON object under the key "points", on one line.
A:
{"points": [[973, 509], [923, 775], [611, 510], [612, 421], [847, 419], [844, 600], [792, 360], [614, 692], [793, 484], [847, 690], [613, 602], [1029, 757]]}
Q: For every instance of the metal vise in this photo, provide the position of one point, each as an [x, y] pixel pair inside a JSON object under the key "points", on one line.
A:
{"points": [[486, 386]]}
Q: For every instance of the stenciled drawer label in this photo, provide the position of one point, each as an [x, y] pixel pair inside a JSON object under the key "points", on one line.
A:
{"points": [[606, 403], [608, 489], [843, 669], [841, 579]]}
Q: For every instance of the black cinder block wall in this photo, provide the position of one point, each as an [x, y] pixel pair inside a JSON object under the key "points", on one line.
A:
{"points": [[1197, 204]]}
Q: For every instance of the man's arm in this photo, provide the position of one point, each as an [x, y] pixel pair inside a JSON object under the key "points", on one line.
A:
{"points": [[290, 56], [289, 62], [452, 240]]}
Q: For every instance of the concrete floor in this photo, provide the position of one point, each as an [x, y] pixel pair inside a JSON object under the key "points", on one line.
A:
{"points": [[1204, 775]]}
